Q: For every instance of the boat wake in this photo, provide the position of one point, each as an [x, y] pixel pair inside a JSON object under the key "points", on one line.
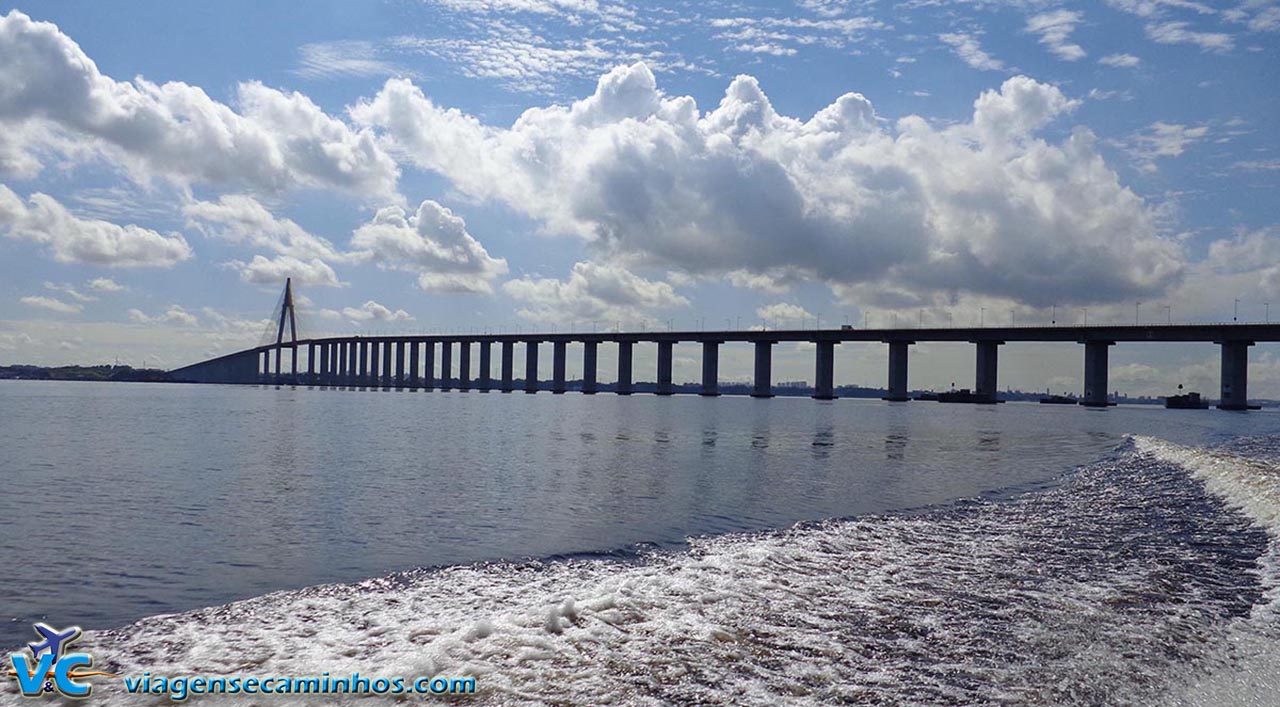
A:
{"points": [[1149, 577]]}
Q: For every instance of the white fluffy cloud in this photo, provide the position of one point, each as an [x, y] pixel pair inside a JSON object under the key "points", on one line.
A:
{"points": [[275, 141], [273, 271], [1162, 140], [1178, 33], [175, 314], [986, 207], [371, 311], [71, 239], [784, 313], [239, 218], [966, 47], [105, 284], [1055, 28], [1120, 61], [593, 292], [53, 304], [432, 242]]}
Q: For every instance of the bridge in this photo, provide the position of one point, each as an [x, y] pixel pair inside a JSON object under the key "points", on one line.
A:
{"points": [[409, 361]]}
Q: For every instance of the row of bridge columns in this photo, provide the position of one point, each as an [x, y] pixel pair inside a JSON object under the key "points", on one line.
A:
{"points": [[403, 363]]}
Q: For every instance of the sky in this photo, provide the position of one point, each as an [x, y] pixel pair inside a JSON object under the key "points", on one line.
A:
{"points": [[553, 165]]}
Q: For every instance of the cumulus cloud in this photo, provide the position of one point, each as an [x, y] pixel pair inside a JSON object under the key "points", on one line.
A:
{"points": [[240, 218], [1161, 140], [53, 304], [1157, 8], [784, 313], [105, 284], [275, 140], [273, 271], [1055, 28], [175, 314], [432, 242], [71, 239], [757, 281], [70, 290], [593, 292], [1120, 61], [1177, 33], [985, 206], [967, 48], [371, 311]]}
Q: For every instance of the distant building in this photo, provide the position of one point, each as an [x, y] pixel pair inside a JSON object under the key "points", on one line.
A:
{"points": [[793, 384]]}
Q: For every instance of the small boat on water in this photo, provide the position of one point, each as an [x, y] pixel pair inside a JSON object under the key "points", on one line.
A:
{"points": [[1189, 401], [964, 395]]}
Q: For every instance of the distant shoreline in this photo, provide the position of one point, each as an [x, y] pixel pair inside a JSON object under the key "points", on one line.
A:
{"points": [[129, 374], [109, 373]]}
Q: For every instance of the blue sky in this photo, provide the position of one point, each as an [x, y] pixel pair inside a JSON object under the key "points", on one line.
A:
{"points": [[459, 164]]}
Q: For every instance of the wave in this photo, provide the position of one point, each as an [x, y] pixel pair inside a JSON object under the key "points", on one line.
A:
{"points": [[1125, 584], [1246, 666]]}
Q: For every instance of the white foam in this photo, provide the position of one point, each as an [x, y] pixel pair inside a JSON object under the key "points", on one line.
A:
{"points": [[1018, 602], [1247, 659], [1250, 485]]}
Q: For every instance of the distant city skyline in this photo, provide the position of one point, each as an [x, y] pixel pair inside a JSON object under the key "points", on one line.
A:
{"points": [[549, 164]]}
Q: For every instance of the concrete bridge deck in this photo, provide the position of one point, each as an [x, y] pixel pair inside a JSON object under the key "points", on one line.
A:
{"points": [[408, 361]]}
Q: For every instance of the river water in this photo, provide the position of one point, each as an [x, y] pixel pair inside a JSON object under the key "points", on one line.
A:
{"points": [[643, 550]]}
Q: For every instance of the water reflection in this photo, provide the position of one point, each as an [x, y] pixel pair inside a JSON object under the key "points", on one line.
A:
{"points": [[290, 487]]}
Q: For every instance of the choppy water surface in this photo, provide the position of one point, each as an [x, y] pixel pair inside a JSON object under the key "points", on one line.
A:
{"points": [[849, 552]]}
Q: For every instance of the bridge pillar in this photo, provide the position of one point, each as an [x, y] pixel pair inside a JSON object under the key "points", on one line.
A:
{"points": [[557, 367], [1235, 375], [375, 364], [508, 365], [898, 371], [362, 362], [624, 368], [764, 370], [386, 365], [415, 367], [429, 365], [486, 366], [348, 363], [313, 364], [446, 365], [710, 368], [326, 363], [264, 374], [531, 366], [465, 375], [664, 367], [1095, 373], [400, 345], [824, 374], [985, 385], [589, 353]]}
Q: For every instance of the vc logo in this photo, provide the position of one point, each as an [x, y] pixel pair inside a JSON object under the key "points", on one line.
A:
{"points": [[51, 667]]}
